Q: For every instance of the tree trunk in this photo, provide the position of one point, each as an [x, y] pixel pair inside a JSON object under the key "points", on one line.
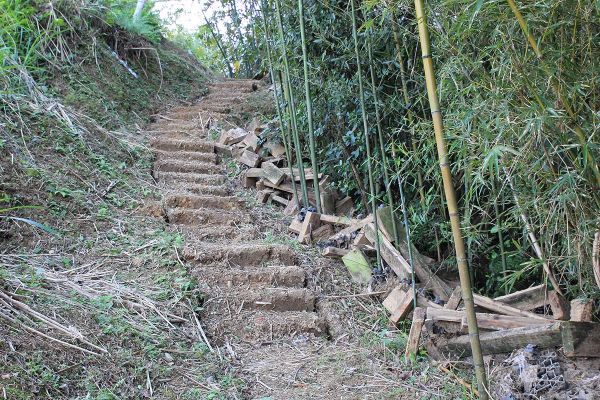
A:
{"points": [[138, 9]]}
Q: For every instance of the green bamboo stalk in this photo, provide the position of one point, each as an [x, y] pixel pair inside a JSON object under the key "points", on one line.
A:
{"points": [[459, 245], [286, 143], [409, 111], [500, 234], [311, 132], [581, 136], [292, 107], [366, 132], [384, 160]]}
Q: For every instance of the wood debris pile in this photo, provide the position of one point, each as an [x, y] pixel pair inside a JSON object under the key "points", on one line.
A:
{"points": [[534, 316]]}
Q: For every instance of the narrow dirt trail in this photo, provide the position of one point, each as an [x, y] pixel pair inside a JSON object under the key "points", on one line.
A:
{"points": [[268, 308]]}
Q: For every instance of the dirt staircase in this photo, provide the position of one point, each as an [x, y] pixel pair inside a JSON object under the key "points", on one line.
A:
{"points": [[256, 292]]}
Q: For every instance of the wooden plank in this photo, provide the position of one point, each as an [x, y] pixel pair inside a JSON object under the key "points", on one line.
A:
{"points": [[397, 261], [272, 173], [394, 259], [581, 339], [386, 223], [322, 232], [414, 336], [311, 222], [263, 195], [287, 187], [254, 173], [352, 228], [276, 149], [454, 300], [251, 142], [490, 304], [334, 219], [223, 150], [527, 299], [233, 136], [484, 320], [582, 310], [344, 206], [260, 184], [249, 158], [405, 306], [248, 182], [560, 307], [361, 240], [280, 200], [295, 226], [334, 252], [358, 266], [393, 300], [292, 207], [328, 198], [505, 341]]}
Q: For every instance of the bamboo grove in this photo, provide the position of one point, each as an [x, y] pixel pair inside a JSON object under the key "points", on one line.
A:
{"points": [[518, 90]]}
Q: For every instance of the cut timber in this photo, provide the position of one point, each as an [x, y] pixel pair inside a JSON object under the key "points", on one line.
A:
{"points": [[310, 223], [358, 266], [334, 252], [412, 344], [260, 185], [582, 310], [251, 142], [280, 200], [322, 232], [249, 158], [402, 268], [295, 225], [292, 207], [352, 228], [399, 303], [286, 187], [276, 149], [394, 259], [272, 173], [581, 339], [484, 321], [233, 136], [333, 219], [490, 304], [223, 150], [254, 173], [506, 341], [263, 195], [344, 206], [248, 181], [361, 240], [560, 307], [454, 300], [386, 221], [327, 201], [527, 299]]}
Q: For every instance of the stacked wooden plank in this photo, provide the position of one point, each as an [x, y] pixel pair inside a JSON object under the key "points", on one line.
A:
{"points": [[532, 316]]}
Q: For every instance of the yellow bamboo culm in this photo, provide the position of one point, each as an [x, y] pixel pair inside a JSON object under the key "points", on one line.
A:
{"points": [[461, 259]]}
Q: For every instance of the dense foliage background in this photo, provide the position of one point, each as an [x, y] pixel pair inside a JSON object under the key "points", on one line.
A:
{"points": [[515, 153]]}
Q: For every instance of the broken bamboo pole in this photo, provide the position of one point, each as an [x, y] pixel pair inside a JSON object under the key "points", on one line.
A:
{"points": [[463, 268]]}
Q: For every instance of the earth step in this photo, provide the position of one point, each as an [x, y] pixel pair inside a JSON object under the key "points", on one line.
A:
{"points": [[186, 155], [181, 144], [184, 216], [185, 115], [187, 166], [266, 326], [248, 254], [292, 277], [187, 177], [203, 190], [271, 299], [214, 233], [205, 202]]}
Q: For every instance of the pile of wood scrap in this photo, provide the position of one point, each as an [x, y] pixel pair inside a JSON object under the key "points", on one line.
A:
{"points": [[535, 316]]}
